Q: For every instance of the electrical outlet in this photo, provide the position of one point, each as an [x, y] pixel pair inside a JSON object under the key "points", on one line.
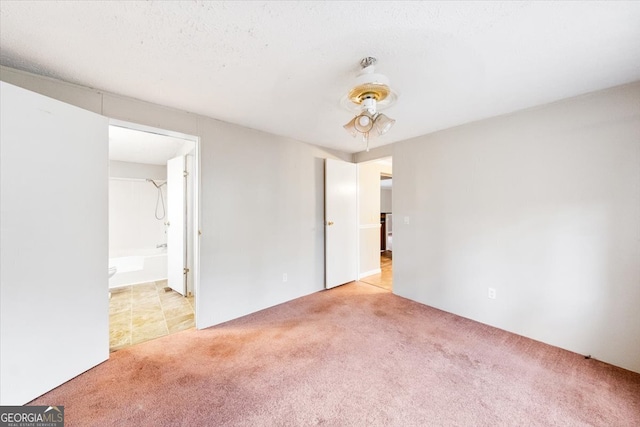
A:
{"points": [[492, 293], [284, 278], [406, 220]]}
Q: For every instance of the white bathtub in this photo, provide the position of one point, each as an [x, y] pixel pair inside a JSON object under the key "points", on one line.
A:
{"points": [[139, 266]]}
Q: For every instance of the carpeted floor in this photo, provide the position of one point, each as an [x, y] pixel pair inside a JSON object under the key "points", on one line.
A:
{"points": [[352, 356]]}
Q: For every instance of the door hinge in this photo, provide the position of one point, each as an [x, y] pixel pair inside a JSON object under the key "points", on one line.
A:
{"points": [[185, 270], [185, 174]]}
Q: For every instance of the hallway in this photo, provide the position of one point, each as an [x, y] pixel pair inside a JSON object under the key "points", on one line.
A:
{"points": [[384, 279]]}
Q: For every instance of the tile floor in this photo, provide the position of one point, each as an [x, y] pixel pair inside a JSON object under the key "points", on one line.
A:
{"points": [[146, 311]]}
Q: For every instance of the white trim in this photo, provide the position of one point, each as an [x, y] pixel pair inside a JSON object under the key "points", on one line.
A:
{"points": [[358, 249], [369, 273], [197, 214], [151, 129], [196, 189]]}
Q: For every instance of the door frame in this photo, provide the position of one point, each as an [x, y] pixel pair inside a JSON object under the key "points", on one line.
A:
{"points": [[196, 210], [373, 159]]}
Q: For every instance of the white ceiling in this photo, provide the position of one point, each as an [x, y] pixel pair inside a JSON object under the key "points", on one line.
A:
{"points": [[283, 66], [128, 145]]}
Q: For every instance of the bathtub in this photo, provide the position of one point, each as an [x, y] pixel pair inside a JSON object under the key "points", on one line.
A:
{"points": [[138, 266]]}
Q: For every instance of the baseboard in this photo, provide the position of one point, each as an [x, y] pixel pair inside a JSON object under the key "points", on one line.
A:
{"points": [[369, 273]]}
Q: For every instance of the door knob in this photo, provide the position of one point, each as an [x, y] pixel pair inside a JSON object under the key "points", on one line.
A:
{"points": [[330, 223]]}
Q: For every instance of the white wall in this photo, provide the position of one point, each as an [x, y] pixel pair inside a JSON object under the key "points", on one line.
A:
{"points": [[263, 215], [132, 217], [118, 169], [132, 208], [262, 204], [386, 198], [542, 205], [369, 218]]}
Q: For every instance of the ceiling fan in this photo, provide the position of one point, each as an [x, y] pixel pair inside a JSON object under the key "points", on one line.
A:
{"points": [[370, 93]]}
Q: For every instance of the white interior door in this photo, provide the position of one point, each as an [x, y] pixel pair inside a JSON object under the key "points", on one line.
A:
{"points": [[341, 222], [54, 298], [190, 219], [177, 224]]}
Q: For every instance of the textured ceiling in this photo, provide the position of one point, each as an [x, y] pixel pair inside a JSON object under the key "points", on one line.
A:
{"points": [[282, 67]]}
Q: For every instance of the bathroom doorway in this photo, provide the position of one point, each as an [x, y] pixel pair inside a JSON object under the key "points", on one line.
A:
{"points": [[153, 233]]}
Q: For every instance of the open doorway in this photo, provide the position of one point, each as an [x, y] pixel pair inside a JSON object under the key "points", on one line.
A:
{"points": [[152, 233], [375, 196]]}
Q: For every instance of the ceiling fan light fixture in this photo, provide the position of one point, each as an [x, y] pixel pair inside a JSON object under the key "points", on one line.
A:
{"points": [[373, 90], [370, 93]]}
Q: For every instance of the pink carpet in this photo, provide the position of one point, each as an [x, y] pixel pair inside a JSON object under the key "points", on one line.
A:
{"points": [[352, 356]]}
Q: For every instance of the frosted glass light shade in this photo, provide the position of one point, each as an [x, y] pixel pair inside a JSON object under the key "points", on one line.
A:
{"points": [[363, 123], [351, 127], [383, 124]]}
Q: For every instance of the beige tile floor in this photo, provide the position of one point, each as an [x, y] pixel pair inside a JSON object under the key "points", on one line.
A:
{"points": [[146, 311]]}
